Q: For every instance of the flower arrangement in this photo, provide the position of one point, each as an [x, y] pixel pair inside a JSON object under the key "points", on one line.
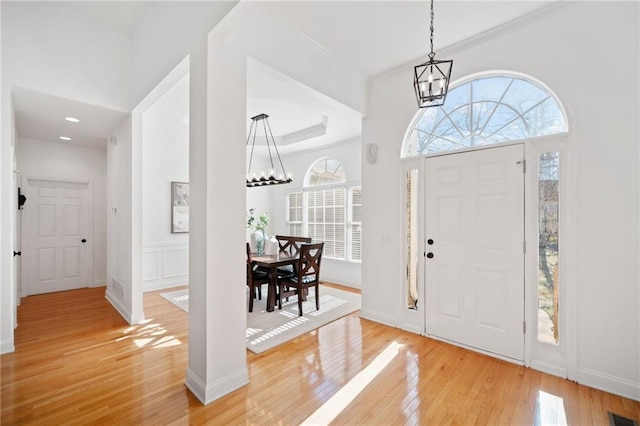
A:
{"points": [[260, 223]]}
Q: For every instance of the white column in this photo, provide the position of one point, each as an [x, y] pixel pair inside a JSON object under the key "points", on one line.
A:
{"points": [[217, 307], [7, 232]]}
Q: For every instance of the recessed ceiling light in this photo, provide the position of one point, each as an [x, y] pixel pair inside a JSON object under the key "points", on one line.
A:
{"points": [[72, 119], [65, 138]]}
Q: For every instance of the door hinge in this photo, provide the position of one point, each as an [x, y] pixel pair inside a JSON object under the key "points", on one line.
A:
{"points": [[524, 327], [524, 247], [524, 165]]}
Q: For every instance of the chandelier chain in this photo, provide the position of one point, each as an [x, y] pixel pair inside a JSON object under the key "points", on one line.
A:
{"points": [[267, 177], [431, 79], [432, 54]]}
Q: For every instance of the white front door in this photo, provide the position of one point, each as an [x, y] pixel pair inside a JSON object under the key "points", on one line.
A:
{"points": [[56, 246], [475, 255]]}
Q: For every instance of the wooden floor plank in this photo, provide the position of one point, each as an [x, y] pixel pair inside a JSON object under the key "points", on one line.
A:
{"points": [[77, 361]]}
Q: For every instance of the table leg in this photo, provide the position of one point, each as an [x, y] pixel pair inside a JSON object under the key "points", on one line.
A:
{"points": [[271, 293]]}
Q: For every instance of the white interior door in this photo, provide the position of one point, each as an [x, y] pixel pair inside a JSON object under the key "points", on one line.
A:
{"points": [[56, 227], [475, 255]]}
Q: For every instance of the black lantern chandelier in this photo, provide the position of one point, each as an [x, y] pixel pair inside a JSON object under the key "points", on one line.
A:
{"points": [[275, 175], [431, 79]]}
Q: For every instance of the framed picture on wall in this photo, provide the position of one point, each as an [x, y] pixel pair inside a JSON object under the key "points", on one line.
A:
{"points": [[179, 207]]}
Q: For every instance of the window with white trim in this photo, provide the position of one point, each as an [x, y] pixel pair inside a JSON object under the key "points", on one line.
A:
{"points": [[355, 223], [329, 210], [325, 220], [294, 206], [485, 111]]}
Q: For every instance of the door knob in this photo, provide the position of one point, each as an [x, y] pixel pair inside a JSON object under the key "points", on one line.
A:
{"points": [[17, 253], [430, 255], [84, 240]]}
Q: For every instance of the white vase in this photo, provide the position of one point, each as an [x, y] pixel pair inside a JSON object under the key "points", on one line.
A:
{"points": [[257, 242], [271, 246]]}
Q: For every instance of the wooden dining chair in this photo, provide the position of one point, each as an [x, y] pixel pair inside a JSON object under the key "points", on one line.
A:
{"points": [[291, 245], [255, 279], [307, 275]]}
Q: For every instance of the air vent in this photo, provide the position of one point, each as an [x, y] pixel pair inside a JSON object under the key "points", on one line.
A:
{"points": [[618, 420], [117, 288]]}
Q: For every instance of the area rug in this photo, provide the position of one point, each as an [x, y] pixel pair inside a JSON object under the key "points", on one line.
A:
{"points": [[179, 298], [266, 330]]}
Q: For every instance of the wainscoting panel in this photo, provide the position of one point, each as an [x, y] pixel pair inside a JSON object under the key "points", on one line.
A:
{"points": [[175, 262], [165, 265], [150, 265]]}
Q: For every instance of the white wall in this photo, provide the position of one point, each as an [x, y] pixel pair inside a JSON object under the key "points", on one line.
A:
{"points": [[556, 47], [348, 153], [120, 279], [165, 159], [65, 161], [164, 35]]}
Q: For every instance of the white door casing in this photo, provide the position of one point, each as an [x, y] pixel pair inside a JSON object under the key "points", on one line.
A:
{"points": [[57, 218], [17, 246], [475, 279]]}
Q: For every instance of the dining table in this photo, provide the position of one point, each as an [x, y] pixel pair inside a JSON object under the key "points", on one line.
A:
{"points": [[272, 263]]}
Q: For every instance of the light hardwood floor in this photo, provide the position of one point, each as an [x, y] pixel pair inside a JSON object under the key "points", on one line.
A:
{"points": [[78, 362]]}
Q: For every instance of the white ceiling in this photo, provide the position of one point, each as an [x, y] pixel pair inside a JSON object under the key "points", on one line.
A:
{"points": [[299, 117], [369, 36], [119, 14], [376, 36], [42, 116]]}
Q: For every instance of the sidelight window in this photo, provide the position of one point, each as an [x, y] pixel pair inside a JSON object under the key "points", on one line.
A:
{"points": [[412, 247], [548, 242]]}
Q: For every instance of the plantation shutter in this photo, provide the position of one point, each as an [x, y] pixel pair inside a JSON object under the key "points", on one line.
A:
{"points": [[356, 224], [326, 220], [295, 213]]}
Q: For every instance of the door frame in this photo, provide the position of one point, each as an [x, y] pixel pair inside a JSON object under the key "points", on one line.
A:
{"points": [[17, 260], [27, 187], [557, 361]]}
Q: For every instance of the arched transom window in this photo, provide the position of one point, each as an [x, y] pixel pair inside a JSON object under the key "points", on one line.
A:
{"points": [[485, 111], [325, 171]]}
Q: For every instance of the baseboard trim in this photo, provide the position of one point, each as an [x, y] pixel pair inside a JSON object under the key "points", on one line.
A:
{"points": [[378, 317], [218, 389], [196, 386], [99, 283], [7, 346], [164, 284], [341, 281], [609, 383], [548, 368], [117, 304], [411, 328]]}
